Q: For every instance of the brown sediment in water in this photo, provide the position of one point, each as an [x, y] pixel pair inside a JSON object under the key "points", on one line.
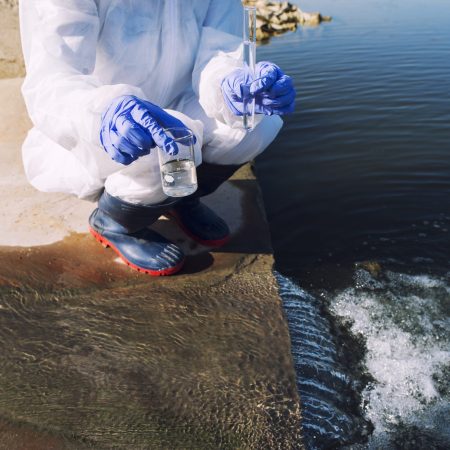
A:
{"points": [[101, 355], [14, 436]]}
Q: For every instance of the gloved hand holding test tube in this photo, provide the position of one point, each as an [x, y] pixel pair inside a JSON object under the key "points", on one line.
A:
{"points": [[248, 117], [261, 88]]}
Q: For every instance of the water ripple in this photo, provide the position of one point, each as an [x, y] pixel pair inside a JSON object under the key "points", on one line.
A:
{"points": [[326, 387]]}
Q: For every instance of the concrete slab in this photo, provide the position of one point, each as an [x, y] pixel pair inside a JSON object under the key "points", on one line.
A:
{"points": [[94, 355]]}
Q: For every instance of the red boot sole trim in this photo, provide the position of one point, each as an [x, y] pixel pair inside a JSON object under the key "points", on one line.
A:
{"points": [[153, 273], [206, 243]]}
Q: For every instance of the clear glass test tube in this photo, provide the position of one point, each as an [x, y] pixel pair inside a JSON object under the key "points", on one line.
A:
{"points": [[249, 41]]}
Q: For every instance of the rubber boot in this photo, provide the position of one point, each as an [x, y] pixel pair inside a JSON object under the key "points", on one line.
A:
{"points": [[198, 221], [123, 227]]}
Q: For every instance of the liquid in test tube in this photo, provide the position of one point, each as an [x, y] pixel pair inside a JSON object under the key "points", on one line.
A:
{"points": [[249, 39]]}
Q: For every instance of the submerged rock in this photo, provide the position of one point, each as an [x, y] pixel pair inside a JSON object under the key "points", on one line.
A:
{"points": [[373, 267], [274, 18]]}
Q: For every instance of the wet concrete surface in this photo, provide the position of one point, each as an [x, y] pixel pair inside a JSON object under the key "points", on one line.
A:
{"points": [[117, 360], [94, 355]]}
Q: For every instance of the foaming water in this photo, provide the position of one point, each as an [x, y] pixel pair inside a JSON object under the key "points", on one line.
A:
{"points": [[403, 320], [393, 394]]}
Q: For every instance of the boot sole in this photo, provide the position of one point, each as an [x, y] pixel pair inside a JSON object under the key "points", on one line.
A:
{"points": [[206, 243], [153, 273]]}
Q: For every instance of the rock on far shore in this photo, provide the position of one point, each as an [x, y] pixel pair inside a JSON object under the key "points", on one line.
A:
{"points": [[274, 18]]}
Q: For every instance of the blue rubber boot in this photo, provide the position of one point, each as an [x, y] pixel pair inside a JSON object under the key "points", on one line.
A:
{"points": [[123, 227], [201, 223], [198, 221]]}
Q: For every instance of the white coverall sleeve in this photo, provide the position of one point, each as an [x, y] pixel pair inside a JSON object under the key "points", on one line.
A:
{"points": [[64, 100], [220, 52]]}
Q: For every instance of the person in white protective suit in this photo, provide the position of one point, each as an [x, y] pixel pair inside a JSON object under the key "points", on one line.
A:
{"points": [[106, 77]]}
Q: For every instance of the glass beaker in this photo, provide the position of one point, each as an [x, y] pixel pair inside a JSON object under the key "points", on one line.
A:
{"points": [[178, 172]]}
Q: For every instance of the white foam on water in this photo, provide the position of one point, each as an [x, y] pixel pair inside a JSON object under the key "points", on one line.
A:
{"points": [[404, 321]]}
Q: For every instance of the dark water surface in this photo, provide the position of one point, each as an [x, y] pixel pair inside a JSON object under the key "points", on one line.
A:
{"points": [[362, 169], [361, 173]]}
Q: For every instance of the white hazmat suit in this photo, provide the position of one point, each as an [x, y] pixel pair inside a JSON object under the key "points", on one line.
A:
{"points": [[81, 54]]}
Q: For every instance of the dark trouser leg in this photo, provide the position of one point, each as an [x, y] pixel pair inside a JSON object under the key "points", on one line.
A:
{"points": [[211, 176], [123, 227]]}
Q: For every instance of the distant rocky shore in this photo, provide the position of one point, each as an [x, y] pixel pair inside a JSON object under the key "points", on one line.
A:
{"points": [[274, 18]]}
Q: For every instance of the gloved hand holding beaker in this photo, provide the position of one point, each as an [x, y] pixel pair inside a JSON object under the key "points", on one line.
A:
{"points": [[273, 90], [131, 127]]}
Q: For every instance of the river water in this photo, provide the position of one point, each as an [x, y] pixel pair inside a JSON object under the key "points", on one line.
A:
{"points": [[357, 194]]}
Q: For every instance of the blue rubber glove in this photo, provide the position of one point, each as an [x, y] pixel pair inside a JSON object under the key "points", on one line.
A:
{"points": [[273, 90], [131, 127]]}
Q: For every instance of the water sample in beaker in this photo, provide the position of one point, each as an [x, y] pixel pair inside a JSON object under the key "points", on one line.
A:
{"points": [[178, 172]]}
